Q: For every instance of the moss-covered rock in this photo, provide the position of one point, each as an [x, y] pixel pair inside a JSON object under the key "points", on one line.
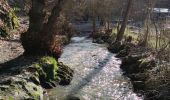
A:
{"points": [[20, 87], [102, 36], [115, 47], [29, 83], [51, 72], [131, 59], [147, 63], [47, 68], [65, 74], [137, 64]]}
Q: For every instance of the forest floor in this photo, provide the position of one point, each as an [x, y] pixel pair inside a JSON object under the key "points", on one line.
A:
{"points": [[10, 48], [15, 82]]}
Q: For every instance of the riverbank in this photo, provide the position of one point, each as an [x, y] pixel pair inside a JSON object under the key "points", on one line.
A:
{"points": [[149, 76], [28, 77]]}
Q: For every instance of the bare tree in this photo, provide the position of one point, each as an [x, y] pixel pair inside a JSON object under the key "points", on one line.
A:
{"points": [[40, 37], [125, 20], [147, 23]]}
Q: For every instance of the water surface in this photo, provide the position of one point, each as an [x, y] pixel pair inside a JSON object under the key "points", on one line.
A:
{"points": [[97, 73]]}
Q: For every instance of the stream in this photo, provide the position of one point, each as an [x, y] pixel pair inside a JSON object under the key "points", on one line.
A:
{"points": [[97, 74]]}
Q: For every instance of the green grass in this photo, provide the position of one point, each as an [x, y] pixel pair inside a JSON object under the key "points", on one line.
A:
{"points": [[127, 33], [136, 38]]}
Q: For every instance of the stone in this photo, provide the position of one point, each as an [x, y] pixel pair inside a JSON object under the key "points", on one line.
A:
{"points": [[22, 87], [29, 83], [115, 47], [35, 80], [65, 74]]}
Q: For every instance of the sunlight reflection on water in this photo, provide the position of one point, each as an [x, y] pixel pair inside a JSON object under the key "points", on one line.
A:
{"points": [[97, 74]]}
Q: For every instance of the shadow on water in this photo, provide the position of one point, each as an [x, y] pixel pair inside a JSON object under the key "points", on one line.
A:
{"points": [[89, 77]]}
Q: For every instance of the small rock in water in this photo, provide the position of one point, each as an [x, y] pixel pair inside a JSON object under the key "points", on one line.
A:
{"points": [[94, 55]]}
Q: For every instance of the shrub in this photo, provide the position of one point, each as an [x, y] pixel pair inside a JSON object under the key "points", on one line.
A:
{"points": [[158, 82]]}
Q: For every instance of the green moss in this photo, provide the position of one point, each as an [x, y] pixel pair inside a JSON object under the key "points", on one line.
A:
{"points": [[9, 19], [127, 33], [13, 22], [47, 68], [11, 98], [143, 62], [36, 95]]}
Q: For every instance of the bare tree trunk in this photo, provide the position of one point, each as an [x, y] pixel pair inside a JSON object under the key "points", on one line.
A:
{"points": [[145, 41], [125, 20], [40, 37], [160, 38], [107, 25], [156, 29], [151, 4], [31, 38], [37, 15], [101, 21], [51, 25], [119, 21]]}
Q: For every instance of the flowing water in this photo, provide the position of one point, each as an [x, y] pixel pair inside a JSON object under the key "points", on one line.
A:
{"points": [[97, 73]]}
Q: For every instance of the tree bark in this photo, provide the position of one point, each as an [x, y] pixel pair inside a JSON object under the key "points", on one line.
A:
{"points": [[37, 15], [94, 25], [125, 20], [40, 37], [156, 29], [51, 25]]}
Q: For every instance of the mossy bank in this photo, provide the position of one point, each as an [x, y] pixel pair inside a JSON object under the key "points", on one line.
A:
{"points": [[30, 81], [141, 66]]}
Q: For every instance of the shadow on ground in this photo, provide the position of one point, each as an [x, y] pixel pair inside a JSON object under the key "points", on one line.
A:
{"points": [[13, 67]]}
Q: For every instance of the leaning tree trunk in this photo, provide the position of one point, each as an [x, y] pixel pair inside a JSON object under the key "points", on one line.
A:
{"points": [[125, 20], [40, 37]]}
